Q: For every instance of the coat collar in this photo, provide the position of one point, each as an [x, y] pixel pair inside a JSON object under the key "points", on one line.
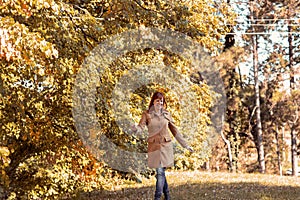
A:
{"points": [[152, 111]]}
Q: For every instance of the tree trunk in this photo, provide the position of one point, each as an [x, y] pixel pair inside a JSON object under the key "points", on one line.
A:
{"points": [[291, 56], [260, 146], [229, 42], [278, 151], [261, 156], [229, 38], [227, 142], [292, 87], [284, 154], [294, 152]]}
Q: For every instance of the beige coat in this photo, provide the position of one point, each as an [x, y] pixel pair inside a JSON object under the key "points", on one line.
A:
{"points": [[160, 147]]}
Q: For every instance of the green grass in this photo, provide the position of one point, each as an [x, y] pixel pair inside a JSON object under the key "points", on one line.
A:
{"points": [[209, 185]]}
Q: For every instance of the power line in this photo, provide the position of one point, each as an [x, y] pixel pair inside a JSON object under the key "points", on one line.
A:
{"points": [[269, 20], [262, 33], [238, 33], [102, 19], [266, 25]]}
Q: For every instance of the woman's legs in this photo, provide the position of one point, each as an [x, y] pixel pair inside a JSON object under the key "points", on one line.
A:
{"points": [[166, 190], [161, 184]]}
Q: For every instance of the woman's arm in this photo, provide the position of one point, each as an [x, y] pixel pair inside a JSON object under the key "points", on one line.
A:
{"points": [[140, 128], [177, 134]]}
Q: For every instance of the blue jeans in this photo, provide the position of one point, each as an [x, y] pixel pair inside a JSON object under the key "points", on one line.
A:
{"points": [[161, 184]]}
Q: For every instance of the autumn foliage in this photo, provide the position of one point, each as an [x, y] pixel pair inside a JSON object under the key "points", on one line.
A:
{"points": [[42, 46]]}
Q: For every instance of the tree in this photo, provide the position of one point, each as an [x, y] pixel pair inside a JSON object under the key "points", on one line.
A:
{"points": [[287, 107], [43, 44], [38, 60], [294, 150], [236, 117], [260, 147], [229, 42], [273, 72], [284, 10]]}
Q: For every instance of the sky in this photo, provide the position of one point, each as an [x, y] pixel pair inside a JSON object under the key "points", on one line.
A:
{"points": [[277, 35]]}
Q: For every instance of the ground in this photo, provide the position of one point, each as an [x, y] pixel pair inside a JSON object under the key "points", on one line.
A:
{"points": [[197, 185]]}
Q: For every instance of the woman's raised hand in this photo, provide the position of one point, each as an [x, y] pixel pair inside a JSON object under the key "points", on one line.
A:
{"points": [[133, 128], [190, 149]]}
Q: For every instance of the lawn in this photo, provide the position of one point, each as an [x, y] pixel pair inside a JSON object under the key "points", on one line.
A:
{"points": [[208, 185]]}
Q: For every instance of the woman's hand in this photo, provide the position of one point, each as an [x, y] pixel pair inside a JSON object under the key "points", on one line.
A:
{"points": [[133, 128], [190, 149]]}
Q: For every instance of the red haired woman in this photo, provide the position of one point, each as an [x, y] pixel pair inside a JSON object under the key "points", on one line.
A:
{"points": [[160, 148]]}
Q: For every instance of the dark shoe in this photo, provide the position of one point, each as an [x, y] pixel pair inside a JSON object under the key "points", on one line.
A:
{"points": [[157, 196]]}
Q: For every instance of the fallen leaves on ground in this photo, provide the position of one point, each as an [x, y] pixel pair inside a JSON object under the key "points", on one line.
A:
{"points": [[195, 185]]}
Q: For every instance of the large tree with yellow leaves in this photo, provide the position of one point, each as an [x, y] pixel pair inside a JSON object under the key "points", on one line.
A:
{"points": [[43, 44]]}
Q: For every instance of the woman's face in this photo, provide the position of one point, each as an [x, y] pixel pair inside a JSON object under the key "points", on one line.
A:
{"points": [[158, 103]]}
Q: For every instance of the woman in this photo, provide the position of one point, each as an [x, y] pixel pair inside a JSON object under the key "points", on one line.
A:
{"points": [[160, 147]]}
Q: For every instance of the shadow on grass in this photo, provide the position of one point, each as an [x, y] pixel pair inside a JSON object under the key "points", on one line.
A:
{"points": [[235, 191], [207, 191]]}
